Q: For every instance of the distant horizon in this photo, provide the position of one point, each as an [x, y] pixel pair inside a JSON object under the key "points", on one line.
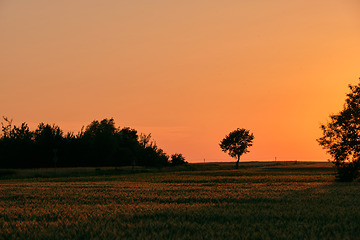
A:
{"points": [[224, 159], [249, 161]]}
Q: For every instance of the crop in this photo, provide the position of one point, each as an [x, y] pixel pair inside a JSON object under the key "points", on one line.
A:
{"points": [[257, 202]]}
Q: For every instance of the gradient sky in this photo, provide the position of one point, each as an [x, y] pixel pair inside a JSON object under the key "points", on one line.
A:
{"points": [[189, 72]]}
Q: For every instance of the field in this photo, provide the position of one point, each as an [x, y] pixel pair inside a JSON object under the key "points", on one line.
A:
{"points": [[200, 201]]}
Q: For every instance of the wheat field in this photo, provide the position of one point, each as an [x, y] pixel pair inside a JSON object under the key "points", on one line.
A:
{"points": [[257, 201]]}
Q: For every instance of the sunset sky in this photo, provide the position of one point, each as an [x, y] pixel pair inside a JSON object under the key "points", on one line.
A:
{"points": [[188, 72]]}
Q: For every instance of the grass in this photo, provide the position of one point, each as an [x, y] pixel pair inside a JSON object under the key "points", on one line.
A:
{"points": [[201, 201]]}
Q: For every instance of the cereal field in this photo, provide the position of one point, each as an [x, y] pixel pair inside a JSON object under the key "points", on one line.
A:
{"points": [[257, 201]]}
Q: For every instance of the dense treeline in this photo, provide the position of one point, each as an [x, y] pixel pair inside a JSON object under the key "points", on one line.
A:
{"points": [[101, 143]]}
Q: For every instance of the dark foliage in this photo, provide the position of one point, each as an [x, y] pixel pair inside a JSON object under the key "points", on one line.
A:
{"points": [[151, 155], [101, 143], [177, 159], [16, 145], [237, 143], [341, 137], [48, 143]]}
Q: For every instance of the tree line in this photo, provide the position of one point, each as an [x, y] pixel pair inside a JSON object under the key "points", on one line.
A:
{"points": [[99, 144]]}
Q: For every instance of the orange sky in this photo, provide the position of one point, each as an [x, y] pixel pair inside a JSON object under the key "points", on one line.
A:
{"points": [[189, 72]]}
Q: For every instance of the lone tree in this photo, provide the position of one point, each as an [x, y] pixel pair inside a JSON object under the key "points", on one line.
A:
{"points": [[341, 137], [237, 143]]}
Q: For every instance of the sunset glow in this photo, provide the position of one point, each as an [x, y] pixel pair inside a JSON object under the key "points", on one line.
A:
{"points": [[188, 72]]}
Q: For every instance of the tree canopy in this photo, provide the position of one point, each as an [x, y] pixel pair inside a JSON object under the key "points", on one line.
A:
{"points": [[236, 143], [177, 159], [100, 143], [341, 137]]}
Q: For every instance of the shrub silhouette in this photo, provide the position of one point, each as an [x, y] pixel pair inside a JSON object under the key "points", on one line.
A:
{"points": [[177, 159]]}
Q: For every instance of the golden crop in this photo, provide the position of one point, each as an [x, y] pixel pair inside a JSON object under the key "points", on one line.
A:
{"points": [[216, 204]]}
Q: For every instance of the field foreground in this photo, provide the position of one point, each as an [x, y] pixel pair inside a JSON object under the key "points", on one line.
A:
{"points": [[214, 201]]}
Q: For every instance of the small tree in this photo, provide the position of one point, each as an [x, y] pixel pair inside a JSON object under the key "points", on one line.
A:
{"points": [[177, 159], [341, 137], [237, 143]]}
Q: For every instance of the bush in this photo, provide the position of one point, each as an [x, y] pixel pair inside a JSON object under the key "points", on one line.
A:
{"points": [[347, 172], [177, 159]]}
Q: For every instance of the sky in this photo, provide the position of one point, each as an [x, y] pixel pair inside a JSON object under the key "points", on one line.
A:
{"points": [[188, 72]]}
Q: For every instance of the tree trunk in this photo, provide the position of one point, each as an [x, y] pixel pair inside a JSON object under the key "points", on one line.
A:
{"points": [[237, 162]]}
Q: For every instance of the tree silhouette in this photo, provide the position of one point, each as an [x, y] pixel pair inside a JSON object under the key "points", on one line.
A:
{"points": [[16, 144], [177, 159], [341, 137], [48, 140], [101, 143], [236, 143]]}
